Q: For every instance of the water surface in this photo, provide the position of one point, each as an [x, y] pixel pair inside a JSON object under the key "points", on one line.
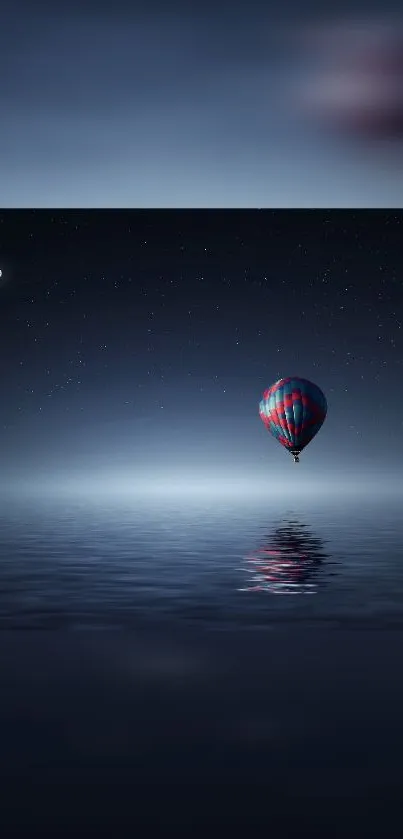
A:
{"points": [[218, 565], [235, 660]]}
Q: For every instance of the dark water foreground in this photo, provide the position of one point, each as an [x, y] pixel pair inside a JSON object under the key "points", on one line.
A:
{"points": [[154, 675]]}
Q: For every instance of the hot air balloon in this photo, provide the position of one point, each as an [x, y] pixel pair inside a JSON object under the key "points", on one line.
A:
{"points": [[293, 410]]}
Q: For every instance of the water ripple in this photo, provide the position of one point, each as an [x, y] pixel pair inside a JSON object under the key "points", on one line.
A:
{"points": [[83, 566]]}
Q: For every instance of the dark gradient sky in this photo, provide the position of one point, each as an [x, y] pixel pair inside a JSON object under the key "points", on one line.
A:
{"points": [[177, 104], [136, 346]]}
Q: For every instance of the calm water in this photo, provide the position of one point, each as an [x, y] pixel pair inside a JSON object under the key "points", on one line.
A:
{"points": [[201, 665], [220, 566]]}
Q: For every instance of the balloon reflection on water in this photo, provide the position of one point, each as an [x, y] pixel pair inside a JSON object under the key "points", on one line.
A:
{"points": [[287, 562]]}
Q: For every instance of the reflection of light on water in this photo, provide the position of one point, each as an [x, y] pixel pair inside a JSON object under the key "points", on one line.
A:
{"points": [[286, 563]]}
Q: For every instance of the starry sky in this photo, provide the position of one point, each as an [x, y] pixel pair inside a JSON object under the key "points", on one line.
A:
{"points": [[136, 346], [179, 105]]}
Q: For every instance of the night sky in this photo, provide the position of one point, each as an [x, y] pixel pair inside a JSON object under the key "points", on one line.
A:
{"points": [[134, 104], [136, 346]]}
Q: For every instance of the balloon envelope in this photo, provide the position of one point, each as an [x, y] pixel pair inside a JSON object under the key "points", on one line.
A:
{"points": [[293, 410]]}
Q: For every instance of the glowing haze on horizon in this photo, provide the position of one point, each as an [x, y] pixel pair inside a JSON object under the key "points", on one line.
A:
{"points": [[137, 346]]}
